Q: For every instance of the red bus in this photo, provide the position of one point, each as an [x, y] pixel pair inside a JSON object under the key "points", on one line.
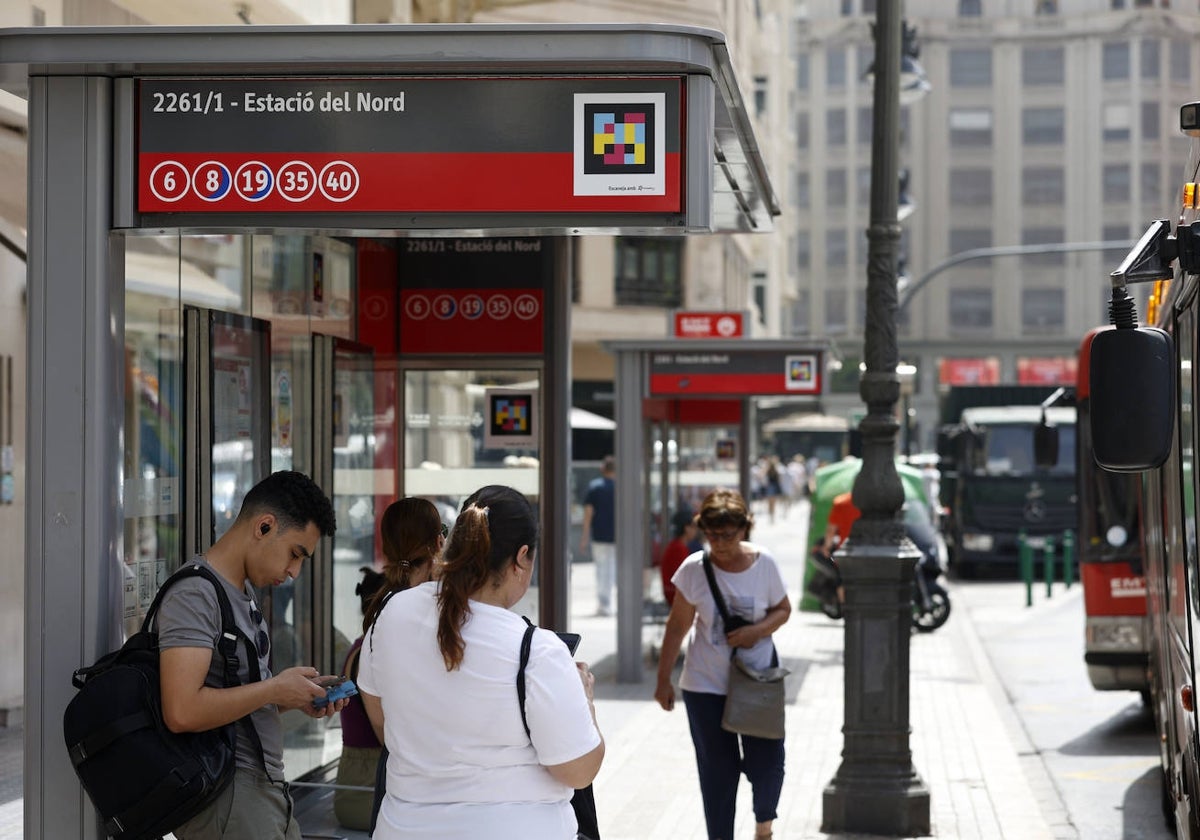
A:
{"points": [[1144, 382], [1110, 558]]}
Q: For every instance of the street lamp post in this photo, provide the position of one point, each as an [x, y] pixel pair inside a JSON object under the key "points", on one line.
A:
{"points": [[877, 790]]}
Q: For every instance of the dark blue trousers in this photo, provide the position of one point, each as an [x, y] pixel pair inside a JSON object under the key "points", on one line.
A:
{"points": [[721, 765]]}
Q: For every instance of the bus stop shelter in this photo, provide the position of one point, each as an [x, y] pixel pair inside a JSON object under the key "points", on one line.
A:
{"points": [[687, 380], [358, 131]]}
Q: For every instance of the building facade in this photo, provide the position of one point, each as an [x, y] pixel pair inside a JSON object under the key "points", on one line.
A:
{"points": [[1048, 123]]}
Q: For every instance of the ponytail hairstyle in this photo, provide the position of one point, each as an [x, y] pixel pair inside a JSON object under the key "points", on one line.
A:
{"points": [[409, 531], [494, 523]]}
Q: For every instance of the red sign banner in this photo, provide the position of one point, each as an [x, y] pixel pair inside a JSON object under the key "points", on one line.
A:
{"points": [[984, 371], [1058, 370], [709, 325]]}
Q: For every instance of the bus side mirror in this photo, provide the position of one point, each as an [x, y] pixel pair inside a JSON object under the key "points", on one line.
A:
{"points": [[1045, 444], [1133, 398]]}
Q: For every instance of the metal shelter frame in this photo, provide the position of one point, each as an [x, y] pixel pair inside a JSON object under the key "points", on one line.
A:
{"points": [[82, 87]]}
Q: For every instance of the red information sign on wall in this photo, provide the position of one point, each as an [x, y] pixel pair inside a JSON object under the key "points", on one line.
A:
{"points": [[709, 325], [1050, 370], [984, 371]]}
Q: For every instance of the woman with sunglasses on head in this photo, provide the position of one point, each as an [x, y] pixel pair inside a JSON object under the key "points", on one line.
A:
{"points": [[442, 694], [412, 534], [752, 587]]}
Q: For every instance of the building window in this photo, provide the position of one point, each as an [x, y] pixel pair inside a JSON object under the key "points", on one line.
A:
{"points": [[803, 197], [1042, 66], [835, 127], [760, 95], [970, 67], [1152, 192], [866, 125], [1118, 123], [758, 285], [970, 8], [800, 314], [1150, 58], [1115, 233], [865, 55], [1045, 7], [1042, 185], [862, 181], [970, 127], [1116, 183], [970, 310], [802, 72], [1043, 236], [835, 248], [1151, 120], [860, 252], [970, 239], [1181, 61], [1042, 126], [836, 189], [1042, 311], [802, 130], [971, 187], [648, 271], [803, 249], [835, 312], [835, 68], [1115, 61]]}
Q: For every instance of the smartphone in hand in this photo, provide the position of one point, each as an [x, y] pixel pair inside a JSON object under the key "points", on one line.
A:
{"points": [[339, 690], [571, 640]]}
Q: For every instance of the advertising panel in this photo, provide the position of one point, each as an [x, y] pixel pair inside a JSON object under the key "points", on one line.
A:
{"points": [[405, 144]]}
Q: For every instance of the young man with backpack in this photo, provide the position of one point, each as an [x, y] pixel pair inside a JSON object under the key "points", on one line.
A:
{"points": [[282, 519]]}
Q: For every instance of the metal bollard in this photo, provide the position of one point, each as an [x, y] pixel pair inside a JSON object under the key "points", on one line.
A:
{"points": [[1068, 558], [1048, 563], [1025, 559]]}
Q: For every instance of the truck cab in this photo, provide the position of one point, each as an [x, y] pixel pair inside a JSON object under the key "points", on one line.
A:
{"points": [[993, 487]]}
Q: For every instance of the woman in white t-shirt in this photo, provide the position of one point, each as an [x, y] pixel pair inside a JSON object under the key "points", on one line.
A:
{"points": [[441, 692], [752, 586]]}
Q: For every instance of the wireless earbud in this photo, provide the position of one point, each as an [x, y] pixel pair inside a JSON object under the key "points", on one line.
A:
{"points": [[264, 528]]}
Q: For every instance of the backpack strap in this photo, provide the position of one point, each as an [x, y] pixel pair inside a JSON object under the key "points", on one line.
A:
{"points": [[526, 644], [226, 643]]}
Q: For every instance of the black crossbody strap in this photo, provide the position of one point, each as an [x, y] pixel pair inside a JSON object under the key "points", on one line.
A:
{"points": [[716, 590], [526, 644]]}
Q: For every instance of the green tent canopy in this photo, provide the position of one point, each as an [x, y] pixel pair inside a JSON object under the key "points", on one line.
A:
{"points": [[831, 481]]}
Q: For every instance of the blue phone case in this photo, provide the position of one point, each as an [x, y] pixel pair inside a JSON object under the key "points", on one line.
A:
{"points": [[344, 689]]}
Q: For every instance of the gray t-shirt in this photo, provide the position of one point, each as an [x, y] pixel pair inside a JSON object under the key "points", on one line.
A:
{"points": [[190, 616]]}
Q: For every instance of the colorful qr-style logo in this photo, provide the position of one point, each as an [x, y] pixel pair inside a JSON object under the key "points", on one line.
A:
{"points": [[801, 373], [622, 138], [511, 415], [620, 144]]}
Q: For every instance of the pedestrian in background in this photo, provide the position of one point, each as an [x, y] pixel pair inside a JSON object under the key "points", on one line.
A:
{"points": [[678, 549], [442, 694], [600, 528], [359, 760], [412, 534], [278, 526], [752, 585]]}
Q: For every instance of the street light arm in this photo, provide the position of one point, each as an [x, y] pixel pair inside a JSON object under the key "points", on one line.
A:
{"points": [[1006, 251]]}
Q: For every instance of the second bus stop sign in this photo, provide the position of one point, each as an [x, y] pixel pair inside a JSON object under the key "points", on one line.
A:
{"points": [[410, 145]]}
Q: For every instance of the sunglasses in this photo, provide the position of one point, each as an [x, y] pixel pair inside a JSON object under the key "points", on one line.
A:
{"points": [[263, 642], [723, 536]]}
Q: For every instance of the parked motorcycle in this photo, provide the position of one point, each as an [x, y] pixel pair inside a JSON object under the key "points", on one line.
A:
{"points": [[930, 602]]}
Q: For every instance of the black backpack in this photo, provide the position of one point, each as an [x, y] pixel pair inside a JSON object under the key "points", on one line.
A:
{"points": [[144, 779]]}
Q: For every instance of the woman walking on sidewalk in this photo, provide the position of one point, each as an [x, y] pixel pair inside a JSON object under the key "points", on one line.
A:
{"points": [[753, 589]]}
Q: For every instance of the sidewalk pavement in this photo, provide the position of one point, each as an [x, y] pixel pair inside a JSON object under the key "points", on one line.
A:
{"points": [[966, 743], [984, 778]]}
